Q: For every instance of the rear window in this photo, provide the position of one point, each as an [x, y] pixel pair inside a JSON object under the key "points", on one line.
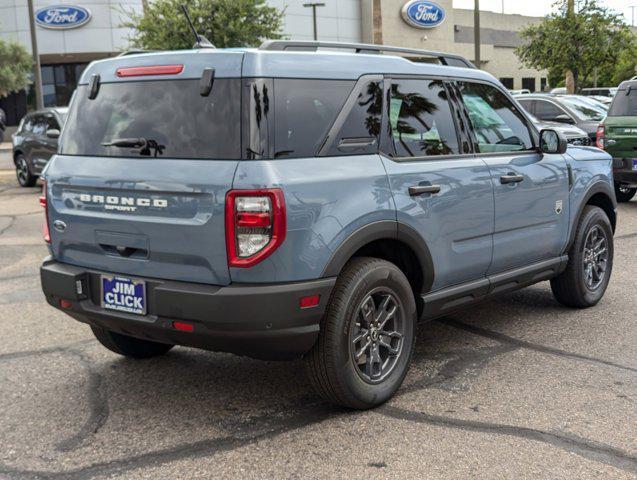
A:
{"points": [[624, 104], [170, 114]]}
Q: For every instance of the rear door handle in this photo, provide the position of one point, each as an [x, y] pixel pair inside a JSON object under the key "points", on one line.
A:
{"points": [[511, 178], [422, 189]]}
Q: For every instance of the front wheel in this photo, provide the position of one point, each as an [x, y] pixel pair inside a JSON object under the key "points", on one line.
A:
{"points": [[367, 335], [24, 175], [624, 193], [590, 262]]}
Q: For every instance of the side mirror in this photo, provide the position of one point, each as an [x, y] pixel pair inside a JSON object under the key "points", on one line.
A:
{"points": [[53, 133], [563, 118], [552, 142]]}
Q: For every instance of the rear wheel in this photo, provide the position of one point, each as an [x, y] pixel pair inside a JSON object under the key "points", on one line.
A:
{"points": [[129, 346], [590, 262], [367, 335], [24, 175], [624, 193]]}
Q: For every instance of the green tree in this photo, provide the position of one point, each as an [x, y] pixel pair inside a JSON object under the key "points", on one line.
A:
{"points": [[226, 23], [588, 42], [16, 66]]}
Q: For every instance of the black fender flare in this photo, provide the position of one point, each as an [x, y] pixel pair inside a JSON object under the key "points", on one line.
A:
{"points": [[384, 229], [597, 187]]}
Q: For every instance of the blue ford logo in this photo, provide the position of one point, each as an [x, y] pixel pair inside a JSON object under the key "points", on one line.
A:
{"points": [[423, 14], [62, 16]]}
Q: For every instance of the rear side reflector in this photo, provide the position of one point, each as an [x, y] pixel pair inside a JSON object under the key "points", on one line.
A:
{"points": [[65, 303], [151, 70], [183, 327], [45, 225], [310, 301]]}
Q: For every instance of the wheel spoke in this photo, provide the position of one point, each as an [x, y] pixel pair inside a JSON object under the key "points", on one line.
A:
{"points": [[368, 310], [373, 359], [362, 333], [387, 311], [361, 351], [385, 341]]}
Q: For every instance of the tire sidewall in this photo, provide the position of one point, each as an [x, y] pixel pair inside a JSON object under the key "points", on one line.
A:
{"points": [[593, 217], [28, 181], [386, 275]]}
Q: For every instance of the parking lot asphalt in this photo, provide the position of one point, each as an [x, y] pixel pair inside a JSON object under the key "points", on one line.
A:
{"points": [[518, 387]]}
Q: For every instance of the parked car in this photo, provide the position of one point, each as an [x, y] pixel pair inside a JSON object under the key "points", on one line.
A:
{"points": [[599, 91], [519, 92], [35, 142], [245, 201], [603, 100], [3, 124], [618, 136], [566, 109], [559, 90], [573, 135]]}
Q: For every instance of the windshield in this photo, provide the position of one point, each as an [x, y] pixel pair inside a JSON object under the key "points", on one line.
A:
{"points": [[585, 108], [168, 118], [624, 104]]}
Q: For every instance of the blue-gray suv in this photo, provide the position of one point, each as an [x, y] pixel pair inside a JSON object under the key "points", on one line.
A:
{"points": [[293, 200]]}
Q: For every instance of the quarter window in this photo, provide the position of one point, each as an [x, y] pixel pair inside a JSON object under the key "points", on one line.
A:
{"points": [[304, 112], [420, 119], [497, 123]]}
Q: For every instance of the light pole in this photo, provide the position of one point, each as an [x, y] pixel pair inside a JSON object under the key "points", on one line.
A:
{"points": [[314, 5], [476, 32], [632, 9], [37, 76]]}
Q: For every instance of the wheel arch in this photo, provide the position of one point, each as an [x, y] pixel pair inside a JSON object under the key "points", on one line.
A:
{"points": [[392, 241], [600, 195]]}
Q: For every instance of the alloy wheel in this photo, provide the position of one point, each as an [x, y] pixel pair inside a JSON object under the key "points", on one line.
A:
{"points": [[22, 171], [595, 257], [376, 341]]}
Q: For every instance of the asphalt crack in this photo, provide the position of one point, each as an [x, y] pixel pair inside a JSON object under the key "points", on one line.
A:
{"points": [[580, 446], [505, 339]]}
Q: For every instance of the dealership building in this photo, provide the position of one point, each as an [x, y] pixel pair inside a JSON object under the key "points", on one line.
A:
{"points": [[73, 33]]}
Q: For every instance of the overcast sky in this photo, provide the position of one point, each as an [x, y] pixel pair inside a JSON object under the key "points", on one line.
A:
{"points": [[541, 7]]}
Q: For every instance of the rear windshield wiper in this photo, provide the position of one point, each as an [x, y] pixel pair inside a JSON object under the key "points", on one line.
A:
{"points": [[144, 144]]}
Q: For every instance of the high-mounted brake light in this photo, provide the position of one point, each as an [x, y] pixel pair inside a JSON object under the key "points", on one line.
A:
{"points": [[43, 203], [601, 137], [150, 70], [255, 225]]}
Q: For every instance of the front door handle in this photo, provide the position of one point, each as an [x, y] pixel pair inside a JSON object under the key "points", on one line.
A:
{"points": [[511, 178], [422, 189]]}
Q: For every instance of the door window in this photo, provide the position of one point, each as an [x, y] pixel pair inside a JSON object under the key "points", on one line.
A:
{"points": [[39, 125], [420, 119], [497, 123], [547, 111]]}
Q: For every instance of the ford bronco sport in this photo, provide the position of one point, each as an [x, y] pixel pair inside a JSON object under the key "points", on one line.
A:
{"points": [[617, 134], [292, 201]]}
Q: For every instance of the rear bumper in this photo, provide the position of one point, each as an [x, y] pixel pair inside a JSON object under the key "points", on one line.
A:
{"points": [[260, 321], [623, 171]]}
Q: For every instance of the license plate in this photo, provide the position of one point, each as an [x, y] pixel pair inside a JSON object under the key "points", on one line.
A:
{"points": [[124, 294]]}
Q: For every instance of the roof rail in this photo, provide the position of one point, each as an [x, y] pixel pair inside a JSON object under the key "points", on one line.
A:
{"points": [[448, 59], [135, 52]]}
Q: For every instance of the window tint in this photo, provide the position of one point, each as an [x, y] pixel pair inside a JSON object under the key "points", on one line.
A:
{"points": [[497, 123], [170, 113], [360, 131], [547, 111], [624, 104], [304, 111], [39, 125], [420, 119], [527, 105]]}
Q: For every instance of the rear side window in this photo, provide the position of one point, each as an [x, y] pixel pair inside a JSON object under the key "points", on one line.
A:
{"points": [[420, 119], [304, 111], [497, 123], [624, 104], [170, 115]]}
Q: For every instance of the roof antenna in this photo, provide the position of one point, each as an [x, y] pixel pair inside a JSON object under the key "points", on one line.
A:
{"points": [[200, 40]]}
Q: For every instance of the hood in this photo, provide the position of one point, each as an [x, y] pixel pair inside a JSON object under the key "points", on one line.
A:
{"points": [[568, 131]]}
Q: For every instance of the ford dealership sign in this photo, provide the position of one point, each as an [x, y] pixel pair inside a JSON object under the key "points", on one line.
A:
{"points": [[62, 17], [423, 14]]}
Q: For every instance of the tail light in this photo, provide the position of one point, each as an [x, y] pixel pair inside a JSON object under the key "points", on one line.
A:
{"points": [[43, 203], [255, 225], [601, 137], [149, 70]]}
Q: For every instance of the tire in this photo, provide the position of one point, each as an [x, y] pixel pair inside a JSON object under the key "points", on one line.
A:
{"points": [[23, 173], [331, 365], [129, 346], [573, 287], [624, 194]]}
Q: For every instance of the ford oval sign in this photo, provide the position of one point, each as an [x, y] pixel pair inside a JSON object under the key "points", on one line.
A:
{"points": [[62, 17], [423, 14]]}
